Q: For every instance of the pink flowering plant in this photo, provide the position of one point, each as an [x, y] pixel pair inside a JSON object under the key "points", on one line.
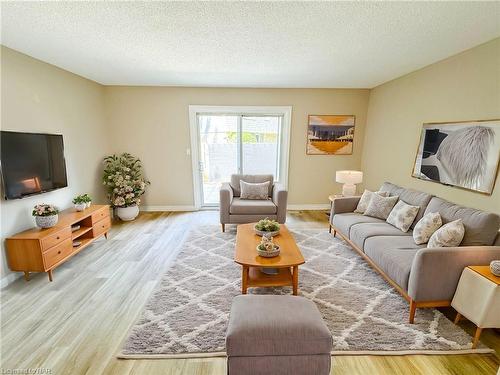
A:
{"points": [[124, 180], [45, 210]]}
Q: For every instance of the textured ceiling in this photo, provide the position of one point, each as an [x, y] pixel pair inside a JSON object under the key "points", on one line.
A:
{"points": [[246, 44]]}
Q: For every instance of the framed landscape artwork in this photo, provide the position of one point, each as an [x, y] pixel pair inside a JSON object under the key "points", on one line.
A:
{"points": [[330, 134], [463, 154]]}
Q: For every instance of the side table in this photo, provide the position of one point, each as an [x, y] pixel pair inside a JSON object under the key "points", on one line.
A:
{"points": [[477, 298]]}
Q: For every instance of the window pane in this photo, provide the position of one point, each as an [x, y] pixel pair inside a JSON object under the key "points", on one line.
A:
{"points": [[218, 153], [260, 144]]}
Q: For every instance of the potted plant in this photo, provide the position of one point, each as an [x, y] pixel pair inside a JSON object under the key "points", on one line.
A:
{"points": [[46, 215], [87, 199], [125, 184], [80, 202], [267, 248], [267, 227]]}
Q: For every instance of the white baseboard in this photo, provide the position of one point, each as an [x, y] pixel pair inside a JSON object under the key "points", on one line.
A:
{"points": [[290, 207], [312, 207], [9, 279], [168, 208]]}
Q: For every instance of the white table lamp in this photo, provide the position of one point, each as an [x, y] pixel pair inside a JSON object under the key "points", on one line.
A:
{"points": [[349, 179]]}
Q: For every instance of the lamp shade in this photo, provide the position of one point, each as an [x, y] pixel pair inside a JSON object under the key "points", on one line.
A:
{"points": [[349, 177]]}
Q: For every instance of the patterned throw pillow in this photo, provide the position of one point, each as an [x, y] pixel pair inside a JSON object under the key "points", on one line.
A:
{"points": [[250, 190], [448, 235], [364, 201], [380, 207], [426, 226], [403, 215]]}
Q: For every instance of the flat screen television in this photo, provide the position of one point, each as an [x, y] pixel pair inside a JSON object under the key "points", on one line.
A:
{"points": [[31, 163]]}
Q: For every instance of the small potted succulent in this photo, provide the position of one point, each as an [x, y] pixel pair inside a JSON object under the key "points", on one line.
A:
{"points": [[46, 215], [267, 248], [87, 199], [80, 202], [267, 227]]}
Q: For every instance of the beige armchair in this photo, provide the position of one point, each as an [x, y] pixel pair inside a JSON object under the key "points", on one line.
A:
{"points": [[234, 210]]}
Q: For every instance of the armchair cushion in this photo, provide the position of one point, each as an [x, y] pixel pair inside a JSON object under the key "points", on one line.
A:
{"points": [[236, 178], [252, 207]]}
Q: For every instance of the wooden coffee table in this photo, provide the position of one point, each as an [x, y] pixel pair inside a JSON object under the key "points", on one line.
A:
{"points": [[287, 262]]}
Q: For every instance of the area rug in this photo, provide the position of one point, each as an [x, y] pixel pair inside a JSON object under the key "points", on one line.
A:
{"points": [[187, 315]]}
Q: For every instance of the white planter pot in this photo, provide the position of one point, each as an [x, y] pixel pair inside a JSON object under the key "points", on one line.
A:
{"points": [[46, 221], [80, 206], [127, 213], [88, 204]]}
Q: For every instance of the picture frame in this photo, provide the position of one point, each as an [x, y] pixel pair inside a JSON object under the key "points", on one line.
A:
{"points": [[462, 154], [330, 134]]}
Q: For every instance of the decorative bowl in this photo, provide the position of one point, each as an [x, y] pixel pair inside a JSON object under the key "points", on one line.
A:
{"points": [[269, 254], [495, 267], [267, 234]]}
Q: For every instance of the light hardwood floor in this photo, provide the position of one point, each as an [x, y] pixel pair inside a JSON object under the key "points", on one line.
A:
{"points": [[76, 324]]}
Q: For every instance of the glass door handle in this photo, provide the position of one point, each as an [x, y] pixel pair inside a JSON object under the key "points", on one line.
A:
{"points": [[200, 166]]}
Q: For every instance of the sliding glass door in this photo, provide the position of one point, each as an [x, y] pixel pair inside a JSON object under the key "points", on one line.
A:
{"points": [[236, 143]]}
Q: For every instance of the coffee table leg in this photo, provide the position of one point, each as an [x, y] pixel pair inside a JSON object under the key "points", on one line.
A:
{"points": [[244, 279], [295, 277]]}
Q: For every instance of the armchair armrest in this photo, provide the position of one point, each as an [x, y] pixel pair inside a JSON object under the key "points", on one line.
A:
{"points": [[226, 198], [435, 271], [279, 197]]}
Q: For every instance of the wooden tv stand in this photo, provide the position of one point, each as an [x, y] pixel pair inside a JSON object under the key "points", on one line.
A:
{"points": [[42, 250]]}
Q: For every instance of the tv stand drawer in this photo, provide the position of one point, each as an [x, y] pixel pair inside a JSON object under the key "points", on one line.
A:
{"points": [[101, 227], [55, 239], [57, 253]]}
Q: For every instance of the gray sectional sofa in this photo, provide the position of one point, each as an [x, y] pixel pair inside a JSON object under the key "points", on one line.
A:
{"points": [[425, 277]]}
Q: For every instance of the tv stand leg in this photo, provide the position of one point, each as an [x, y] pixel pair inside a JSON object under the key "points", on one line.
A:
{"points": [[49, 272], [27, 275], [106, 235]]}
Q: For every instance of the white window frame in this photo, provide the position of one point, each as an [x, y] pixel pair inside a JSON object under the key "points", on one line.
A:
{"points": [[194, 110]]}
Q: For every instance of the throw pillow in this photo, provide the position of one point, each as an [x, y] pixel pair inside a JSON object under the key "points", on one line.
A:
{"points": [[426, 226], [364, 201], [448, 235], [257, 190], [403, 215], [380, 207]]}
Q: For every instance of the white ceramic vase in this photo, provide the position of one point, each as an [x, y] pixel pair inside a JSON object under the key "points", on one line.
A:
{"points": [[46, 221], [88, 204], [80, 206], [127, 213]]}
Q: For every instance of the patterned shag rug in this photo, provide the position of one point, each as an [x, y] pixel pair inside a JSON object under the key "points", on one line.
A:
{"points": [[188, 313]]}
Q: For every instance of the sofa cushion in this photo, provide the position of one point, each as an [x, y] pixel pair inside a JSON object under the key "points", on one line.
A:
{"points": [[258, 190], [276, 325], [365, 199], [449, 235], [481, 227], [409, 196], [344, 222], [360, 232], [394, 255], [380, 206], [403, 215], [252, 178], [252, 207]]}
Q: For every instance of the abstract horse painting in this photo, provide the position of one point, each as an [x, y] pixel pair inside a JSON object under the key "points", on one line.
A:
{"points": [[463, 154]]}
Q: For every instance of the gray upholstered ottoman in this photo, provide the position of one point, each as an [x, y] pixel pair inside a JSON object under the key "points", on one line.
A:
{"points": [[277, 335]]}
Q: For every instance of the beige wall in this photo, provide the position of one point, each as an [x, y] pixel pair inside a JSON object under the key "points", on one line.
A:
{"points": [[153, 123], [463, 87], [38, 97]]}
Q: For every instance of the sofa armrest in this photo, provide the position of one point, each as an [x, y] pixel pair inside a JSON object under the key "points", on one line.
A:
{"points": [[343, 205], [280, 197], [226, 198], [435, 271]]}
